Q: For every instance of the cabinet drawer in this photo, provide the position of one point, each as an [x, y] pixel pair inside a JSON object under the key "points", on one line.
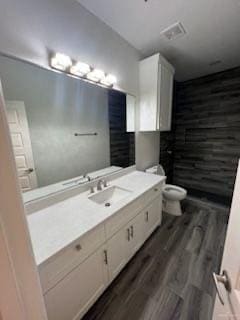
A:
{"points": [[76, 293], [121, 218], [62, 263]]}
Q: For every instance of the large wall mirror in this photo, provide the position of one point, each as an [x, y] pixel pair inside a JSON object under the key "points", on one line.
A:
{"points": [[64, 130]]}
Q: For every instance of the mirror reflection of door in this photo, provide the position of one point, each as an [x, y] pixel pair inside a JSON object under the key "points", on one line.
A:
{"points": [[22, 148]]}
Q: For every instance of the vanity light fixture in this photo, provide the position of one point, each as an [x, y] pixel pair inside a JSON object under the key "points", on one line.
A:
{"points": [[96, 75], [109, 80], [61, 61], [80, 69]]}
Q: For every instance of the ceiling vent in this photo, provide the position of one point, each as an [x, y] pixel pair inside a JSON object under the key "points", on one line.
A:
{"points": [[174, 31]]}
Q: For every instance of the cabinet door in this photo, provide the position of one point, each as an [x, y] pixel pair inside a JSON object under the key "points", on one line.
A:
{"points": [[117, 252], [148, 72], [73, 296], [152, 216], [165, 98], [136, 227]]}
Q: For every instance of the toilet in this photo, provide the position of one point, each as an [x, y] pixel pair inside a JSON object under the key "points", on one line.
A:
{"points": [[172, 195]]}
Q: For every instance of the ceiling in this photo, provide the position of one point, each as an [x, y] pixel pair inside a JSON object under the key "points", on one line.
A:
{"points": [[212, 31]]}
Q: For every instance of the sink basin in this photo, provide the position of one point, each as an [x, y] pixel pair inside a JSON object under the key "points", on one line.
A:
{"points": [[110, 196]]}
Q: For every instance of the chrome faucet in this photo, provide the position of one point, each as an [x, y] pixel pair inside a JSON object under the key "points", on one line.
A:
{"points": [[100, 183]]}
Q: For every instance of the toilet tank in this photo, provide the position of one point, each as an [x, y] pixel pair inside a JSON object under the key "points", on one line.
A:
{"points": [[156, 170]]}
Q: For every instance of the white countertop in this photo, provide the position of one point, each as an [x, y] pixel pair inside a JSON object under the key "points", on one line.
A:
{"points": [[57, 226]]}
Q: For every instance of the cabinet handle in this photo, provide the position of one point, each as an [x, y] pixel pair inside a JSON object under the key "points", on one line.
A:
{"points": [[128, 234], [131, 231], [105, 257], [147, 216], [78, 247]]}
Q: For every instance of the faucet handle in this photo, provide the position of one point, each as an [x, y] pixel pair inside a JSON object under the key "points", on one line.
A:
{"points": [[105, 183], [86, 176], [99, 185]]}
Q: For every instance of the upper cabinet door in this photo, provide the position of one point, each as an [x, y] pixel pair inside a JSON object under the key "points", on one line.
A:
{"points": [[149, 93], [156, 89], [165, 98], [130, 106]]}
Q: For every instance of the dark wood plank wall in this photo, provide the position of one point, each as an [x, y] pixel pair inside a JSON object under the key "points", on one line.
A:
{"points": [[207, 133], [167, 153], [122, 143]]}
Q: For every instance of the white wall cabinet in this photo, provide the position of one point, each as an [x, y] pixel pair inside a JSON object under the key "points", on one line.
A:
{"points": [[70, 297], [156, 92]]}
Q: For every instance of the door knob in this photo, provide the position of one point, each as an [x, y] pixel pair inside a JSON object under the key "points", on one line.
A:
{"points": [[225, 280]]}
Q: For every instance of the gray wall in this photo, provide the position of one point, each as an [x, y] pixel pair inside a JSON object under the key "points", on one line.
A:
{"points": [[207, 120], [206, 135], [57, 106], [31, 28]]}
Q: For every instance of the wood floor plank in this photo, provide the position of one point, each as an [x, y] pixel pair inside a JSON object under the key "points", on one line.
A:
{"points": [[197, 305], [167, 307]]}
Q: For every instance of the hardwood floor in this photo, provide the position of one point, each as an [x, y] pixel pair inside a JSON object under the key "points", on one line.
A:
{"points": [[171, 275]]}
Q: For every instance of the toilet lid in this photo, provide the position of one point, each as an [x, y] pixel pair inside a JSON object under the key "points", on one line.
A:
{"points": [[173, 189], [174, 192], [170, 188]]}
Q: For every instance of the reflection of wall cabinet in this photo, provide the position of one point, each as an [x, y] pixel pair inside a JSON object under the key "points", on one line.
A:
{"points": [[130, 110], [75, 278], [156, 91]]}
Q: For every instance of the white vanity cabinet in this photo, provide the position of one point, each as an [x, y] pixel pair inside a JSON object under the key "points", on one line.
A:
{"points": [[74, 278], [75, 293], [151, 217], [156, 92], [116, 252], [136, 235], [128, 240]]}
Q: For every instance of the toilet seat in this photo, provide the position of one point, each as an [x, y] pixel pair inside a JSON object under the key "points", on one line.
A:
{"points": [[175, 193]]}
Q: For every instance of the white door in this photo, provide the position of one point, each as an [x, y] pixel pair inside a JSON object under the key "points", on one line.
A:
{"points": [[20, 292], [116, 252], [227, 303], [21, 142]]}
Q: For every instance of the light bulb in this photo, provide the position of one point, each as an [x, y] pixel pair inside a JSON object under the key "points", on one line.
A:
{"points": [[96, 75], [109, 80], [61, 62], [80, 69]]}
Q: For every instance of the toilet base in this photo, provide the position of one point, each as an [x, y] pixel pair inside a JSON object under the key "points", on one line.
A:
{"points": [[172, 207]]}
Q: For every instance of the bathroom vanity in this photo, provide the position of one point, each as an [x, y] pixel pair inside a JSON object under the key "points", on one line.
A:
{"points": [[83, 242]]}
